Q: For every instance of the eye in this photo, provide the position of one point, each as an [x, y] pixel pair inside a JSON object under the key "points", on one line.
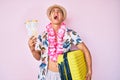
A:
{"points": [[53, 10], [59, 11]]}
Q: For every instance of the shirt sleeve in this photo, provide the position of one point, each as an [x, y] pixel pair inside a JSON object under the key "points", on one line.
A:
{"points": [[38, 43], [41, 41], [75, 38]]}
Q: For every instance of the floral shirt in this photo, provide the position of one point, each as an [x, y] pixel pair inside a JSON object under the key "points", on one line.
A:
{"points": [[70, 37]]}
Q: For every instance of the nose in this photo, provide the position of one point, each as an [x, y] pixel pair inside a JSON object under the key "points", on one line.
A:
{"points": [[56, 11]]}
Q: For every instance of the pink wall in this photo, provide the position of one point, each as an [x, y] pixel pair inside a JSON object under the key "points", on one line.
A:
{"points": [[97, 22]]}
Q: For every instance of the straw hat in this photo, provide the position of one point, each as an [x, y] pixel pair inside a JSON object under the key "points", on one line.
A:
{"points": [[57, 6]]}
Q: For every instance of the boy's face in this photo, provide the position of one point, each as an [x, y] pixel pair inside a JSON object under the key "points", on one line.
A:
{"points": [[56, 16]]}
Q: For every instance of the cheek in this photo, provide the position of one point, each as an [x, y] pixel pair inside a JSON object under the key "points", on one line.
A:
{"points": [[61, 17], [50, 17]]}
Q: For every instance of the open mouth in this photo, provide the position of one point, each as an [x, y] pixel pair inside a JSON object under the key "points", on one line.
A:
{"points": [[55, 17]]}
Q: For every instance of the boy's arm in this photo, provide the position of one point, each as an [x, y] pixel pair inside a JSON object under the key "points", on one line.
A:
{"points": [[35, 53], [88, 59]]}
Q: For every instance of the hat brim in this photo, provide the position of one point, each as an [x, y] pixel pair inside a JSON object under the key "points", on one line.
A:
{"points": [[57, 6]]}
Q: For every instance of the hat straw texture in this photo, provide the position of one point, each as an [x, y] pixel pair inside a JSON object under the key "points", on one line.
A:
{"points": [[57, 6]]}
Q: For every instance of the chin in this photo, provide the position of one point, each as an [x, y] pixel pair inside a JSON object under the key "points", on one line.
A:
{"points": [[56, 23]]}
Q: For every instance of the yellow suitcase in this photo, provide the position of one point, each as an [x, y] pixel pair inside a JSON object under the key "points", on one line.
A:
{"points": [[72, 65]]}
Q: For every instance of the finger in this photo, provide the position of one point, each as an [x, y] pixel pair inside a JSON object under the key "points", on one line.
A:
{"points": [[35, 39], [86, 77], [31, 37], [32, 44], [32, 40]]}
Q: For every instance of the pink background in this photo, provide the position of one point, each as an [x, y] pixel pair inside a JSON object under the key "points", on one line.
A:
{"points": [[96, 21]]}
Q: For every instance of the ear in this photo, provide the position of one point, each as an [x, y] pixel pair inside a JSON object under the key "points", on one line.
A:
{"points": [[62, 19]]}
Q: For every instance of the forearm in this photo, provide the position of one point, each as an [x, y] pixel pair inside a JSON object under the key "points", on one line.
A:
{"points": [[88, 60], [36, 54], [32, 42], [87, 54]]}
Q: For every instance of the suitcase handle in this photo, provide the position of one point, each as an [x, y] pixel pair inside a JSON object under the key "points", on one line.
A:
{"points": [[67, 66], [61, 71]]}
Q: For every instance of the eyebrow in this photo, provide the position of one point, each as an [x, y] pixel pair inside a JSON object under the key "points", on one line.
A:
{"points": [[58, 8]]}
